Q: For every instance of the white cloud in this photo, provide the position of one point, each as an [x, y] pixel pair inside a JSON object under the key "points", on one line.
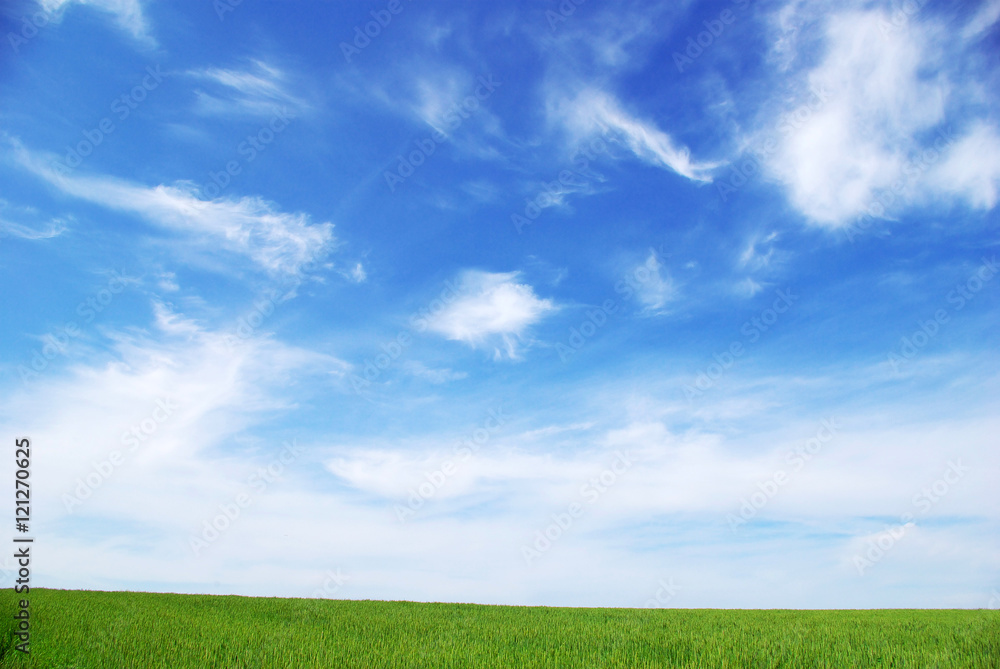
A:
{"points": [[971, 167], [983, 20], [278, 242], [758, 257], [167, 282], [261, 90], [552, 430], [592, 111], [55, 228], [437, 94], [753, 257], [585, 56], [748, 287], [393, 473], [173, 401], [492, 310], [670, 473], [432, 374], [448, 99], [51, 228], [358, 273], [869, 102], [666, 512], [128, 14], [653, 290], [218, 390], [866, 117], [606, 39]]}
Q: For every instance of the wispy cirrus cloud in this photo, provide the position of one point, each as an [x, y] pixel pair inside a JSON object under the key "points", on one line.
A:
{"points": [[261, 89], [582, 93], [54, 228], [656, 289], [758, 253], [160, 420], [983, 20], [128, 14], [12, 228], [971, 169], [277, 242], [432, 374], [593, 111]]}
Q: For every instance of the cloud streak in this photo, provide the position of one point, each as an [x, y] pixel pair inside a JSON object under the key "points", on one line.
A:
{"points": [[277, 242], [128, 15], [260, 90], [593, 111]]}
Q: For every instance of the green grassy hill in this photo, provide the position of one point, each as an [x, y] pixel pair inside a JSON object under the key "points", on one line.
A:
{"points": [[124, 629]]}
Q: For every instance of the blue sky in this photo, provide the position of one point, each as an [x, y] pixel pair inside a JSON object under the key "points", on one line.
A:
{"points": [[658, 304]]}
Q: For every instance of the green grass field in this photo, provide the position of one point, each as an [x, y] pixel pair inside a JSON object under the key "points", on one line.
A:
{"points": [[137, 630]]}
